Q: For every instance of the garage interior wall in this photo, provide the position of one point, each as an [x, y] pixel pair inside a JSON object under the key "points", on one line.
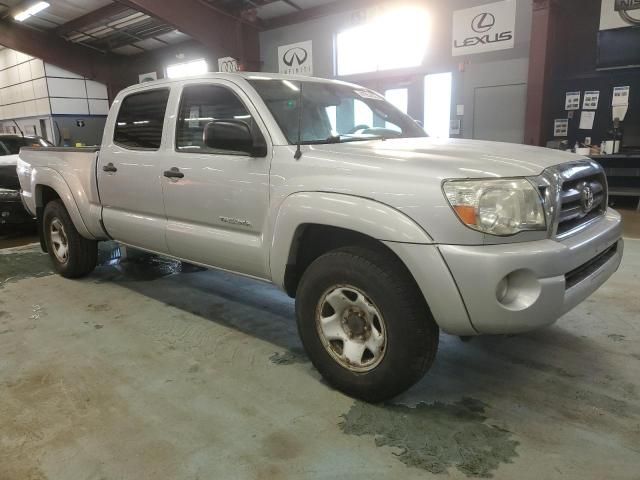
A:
{"points": [[504, 72], [49, 101]]}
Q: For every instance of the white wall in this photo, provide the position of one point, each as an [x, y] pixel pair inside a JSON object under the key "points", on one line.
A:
{"points": [[33, 92]]}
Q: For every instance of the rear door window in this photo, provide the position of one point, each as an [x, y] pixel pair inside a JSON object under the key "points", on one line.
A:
{"points": [[140, 120]]}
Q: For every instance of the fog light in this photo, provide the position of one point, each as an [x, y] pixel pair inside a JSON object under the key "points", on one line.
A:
{"points": [[4, 214], [518, 290]]}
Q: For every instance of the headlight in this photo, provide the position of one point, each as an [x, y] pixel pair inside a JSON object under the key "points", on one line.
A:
{"points": [[496, 206]]}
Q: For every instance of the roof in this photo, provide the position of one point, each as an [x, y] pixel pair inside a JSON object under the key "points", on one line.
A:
{"points": [[238, 75]]}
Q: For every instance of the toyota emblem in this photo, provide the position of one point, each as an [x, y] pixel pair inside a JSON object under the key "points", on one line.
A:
{"points": [[586, 198], [483, 23]]}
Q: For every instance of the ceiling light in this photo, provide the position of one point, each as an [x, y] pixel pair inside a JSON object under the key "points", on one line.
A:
{"points": [[32, 10]]}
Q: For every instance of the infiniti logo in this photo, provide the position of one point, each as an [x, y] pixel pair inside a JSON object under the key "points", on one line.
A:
{"points": [[295, 55], [483, 23]]}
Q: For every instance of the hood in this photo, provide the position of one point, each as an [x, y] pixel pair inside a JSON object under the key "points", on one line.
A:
{"points": [[449, 158]]}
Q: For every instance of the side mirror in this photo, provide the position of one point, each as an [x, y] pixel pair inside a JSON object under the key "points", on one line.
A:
{"points": [[232, 135]]}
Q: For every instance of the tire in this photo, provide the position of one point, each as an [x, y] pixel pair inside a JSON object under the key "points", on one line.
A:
{"points": [[59, 231], [386, 290]]}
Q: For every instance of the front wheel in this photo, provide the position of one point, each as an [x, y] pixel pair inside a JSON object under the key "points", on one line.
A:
{"points": [[73, 256], [364, 323]]}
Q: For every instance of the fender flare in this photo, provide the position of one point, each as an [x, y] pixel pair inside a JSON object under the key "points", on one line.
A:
{"points": [[368, 217], [47, 177]]}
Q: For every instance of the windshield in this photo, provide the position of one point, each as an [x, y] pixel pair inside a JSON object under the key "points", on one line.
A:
{"points": [[333, 113], [12, 145]]}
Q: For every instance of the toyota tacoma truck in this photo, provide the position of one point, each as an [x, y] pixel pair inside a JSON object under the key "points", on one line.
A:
{"points": [[382, 235]]}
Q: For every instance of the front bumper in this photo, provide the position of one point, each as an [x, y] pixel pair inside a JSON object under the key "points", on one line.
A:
{"points": [[518, 287]]}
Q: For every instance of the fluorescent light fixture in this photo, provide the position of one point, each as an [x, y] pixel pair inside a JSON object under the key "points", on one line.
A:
{"points": [[188, 69], [31, 11], [291, 85]]}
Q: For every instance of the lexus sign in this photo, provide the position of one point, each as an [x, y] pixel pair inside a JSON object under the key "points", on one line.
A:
{"points": [[296, 59], [486, 28]]}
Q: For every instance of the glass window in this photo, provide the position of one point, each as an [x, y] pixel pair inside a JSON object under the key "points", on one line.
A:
{"points": [[202, 104], [396, 39], [12, 145], [140, 120], [437, 104], [333, 112]]}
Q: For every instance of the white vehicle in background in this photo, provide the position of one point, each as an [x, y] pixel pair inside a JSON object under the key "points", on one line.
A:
{"points": [[382, 235], [12, 212]]}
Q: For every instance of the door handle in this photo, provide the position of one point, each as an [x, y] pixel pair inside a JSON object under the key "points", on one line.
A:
{"points": [[173, 173], [109, 167]]}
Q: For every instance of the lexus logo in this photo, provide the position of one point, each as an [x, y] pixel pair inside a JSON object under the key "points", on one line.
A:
{"points": [[586, 198], [295, 55], [483, 23]]}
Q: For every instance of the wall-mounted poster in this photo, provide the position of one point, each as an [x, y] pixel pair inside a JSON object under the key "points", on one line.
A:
{"points": [[296, 59], [572, 101], [591, 100], [561, 127], [485, 28]]}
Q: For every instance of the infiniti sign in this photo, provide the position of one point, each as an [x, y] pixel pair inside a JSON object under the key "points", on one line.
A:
{"points": [[296, 59], [485, 28]]}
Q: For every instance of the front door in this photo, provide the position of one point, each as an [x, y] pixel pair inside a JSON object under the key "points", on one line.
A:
{"points": [[129, 172], [217, 205]]}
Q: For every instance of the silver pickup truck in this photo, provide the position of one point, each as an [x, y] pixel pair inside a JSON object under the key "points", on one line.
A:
{"points": [[383, 236]]}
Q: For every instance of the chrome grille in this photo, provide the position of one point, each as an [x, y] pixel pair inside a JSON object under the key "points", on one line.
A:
{"points": [[582, 197]]}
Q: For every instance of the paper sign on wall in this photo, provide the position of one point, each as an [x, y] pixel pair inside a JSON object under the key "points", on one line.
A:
{"points": [[227, 64], [620, 96], [296, 59], [591, 100], [572, 101], [485, 28], [560, 127], [586, 120]]}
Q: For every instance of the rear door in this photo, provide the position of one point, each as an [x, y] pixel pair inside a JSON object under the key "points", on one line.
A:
{"points": [[217, 211], [130, 171]]}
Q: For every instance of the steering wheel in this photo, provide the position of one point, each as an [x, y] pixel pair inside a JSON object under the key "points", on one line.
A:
{"points": [[358, 127]]}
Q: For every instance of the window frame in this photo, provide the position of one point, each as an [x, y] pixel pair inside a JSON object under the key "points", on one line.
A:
{"points": [[164, 120], [234, 93]]}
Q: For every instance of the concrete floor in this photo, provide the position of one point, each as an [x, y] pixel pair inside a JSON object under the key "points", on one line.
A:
{"points": [[148, 370]]}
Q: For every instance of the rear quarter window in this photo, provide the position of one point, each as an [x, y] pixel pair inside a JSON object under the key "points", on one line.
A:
{"points": [[141, 119]]}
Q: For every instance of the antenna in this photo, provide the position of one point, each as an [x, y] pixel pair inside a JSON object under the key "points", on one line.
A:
{"points": [[18, 127], [298, 153]]}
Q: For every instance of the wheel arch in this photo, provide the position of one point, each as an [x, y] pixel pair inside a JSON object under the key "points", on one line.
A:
{"points": [[311, 224], [55, 188]]}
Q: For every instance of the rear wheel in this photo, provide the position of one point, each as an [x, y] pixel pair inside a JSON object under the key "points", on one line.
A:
{"points": [[364, 323], [73, 256]]}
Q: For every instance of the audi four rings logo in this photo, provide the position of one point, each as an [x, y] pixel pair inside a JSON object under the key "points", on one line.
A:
{"points": [[586, 198], [229, 66], [297, 55], [483, 23]]}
